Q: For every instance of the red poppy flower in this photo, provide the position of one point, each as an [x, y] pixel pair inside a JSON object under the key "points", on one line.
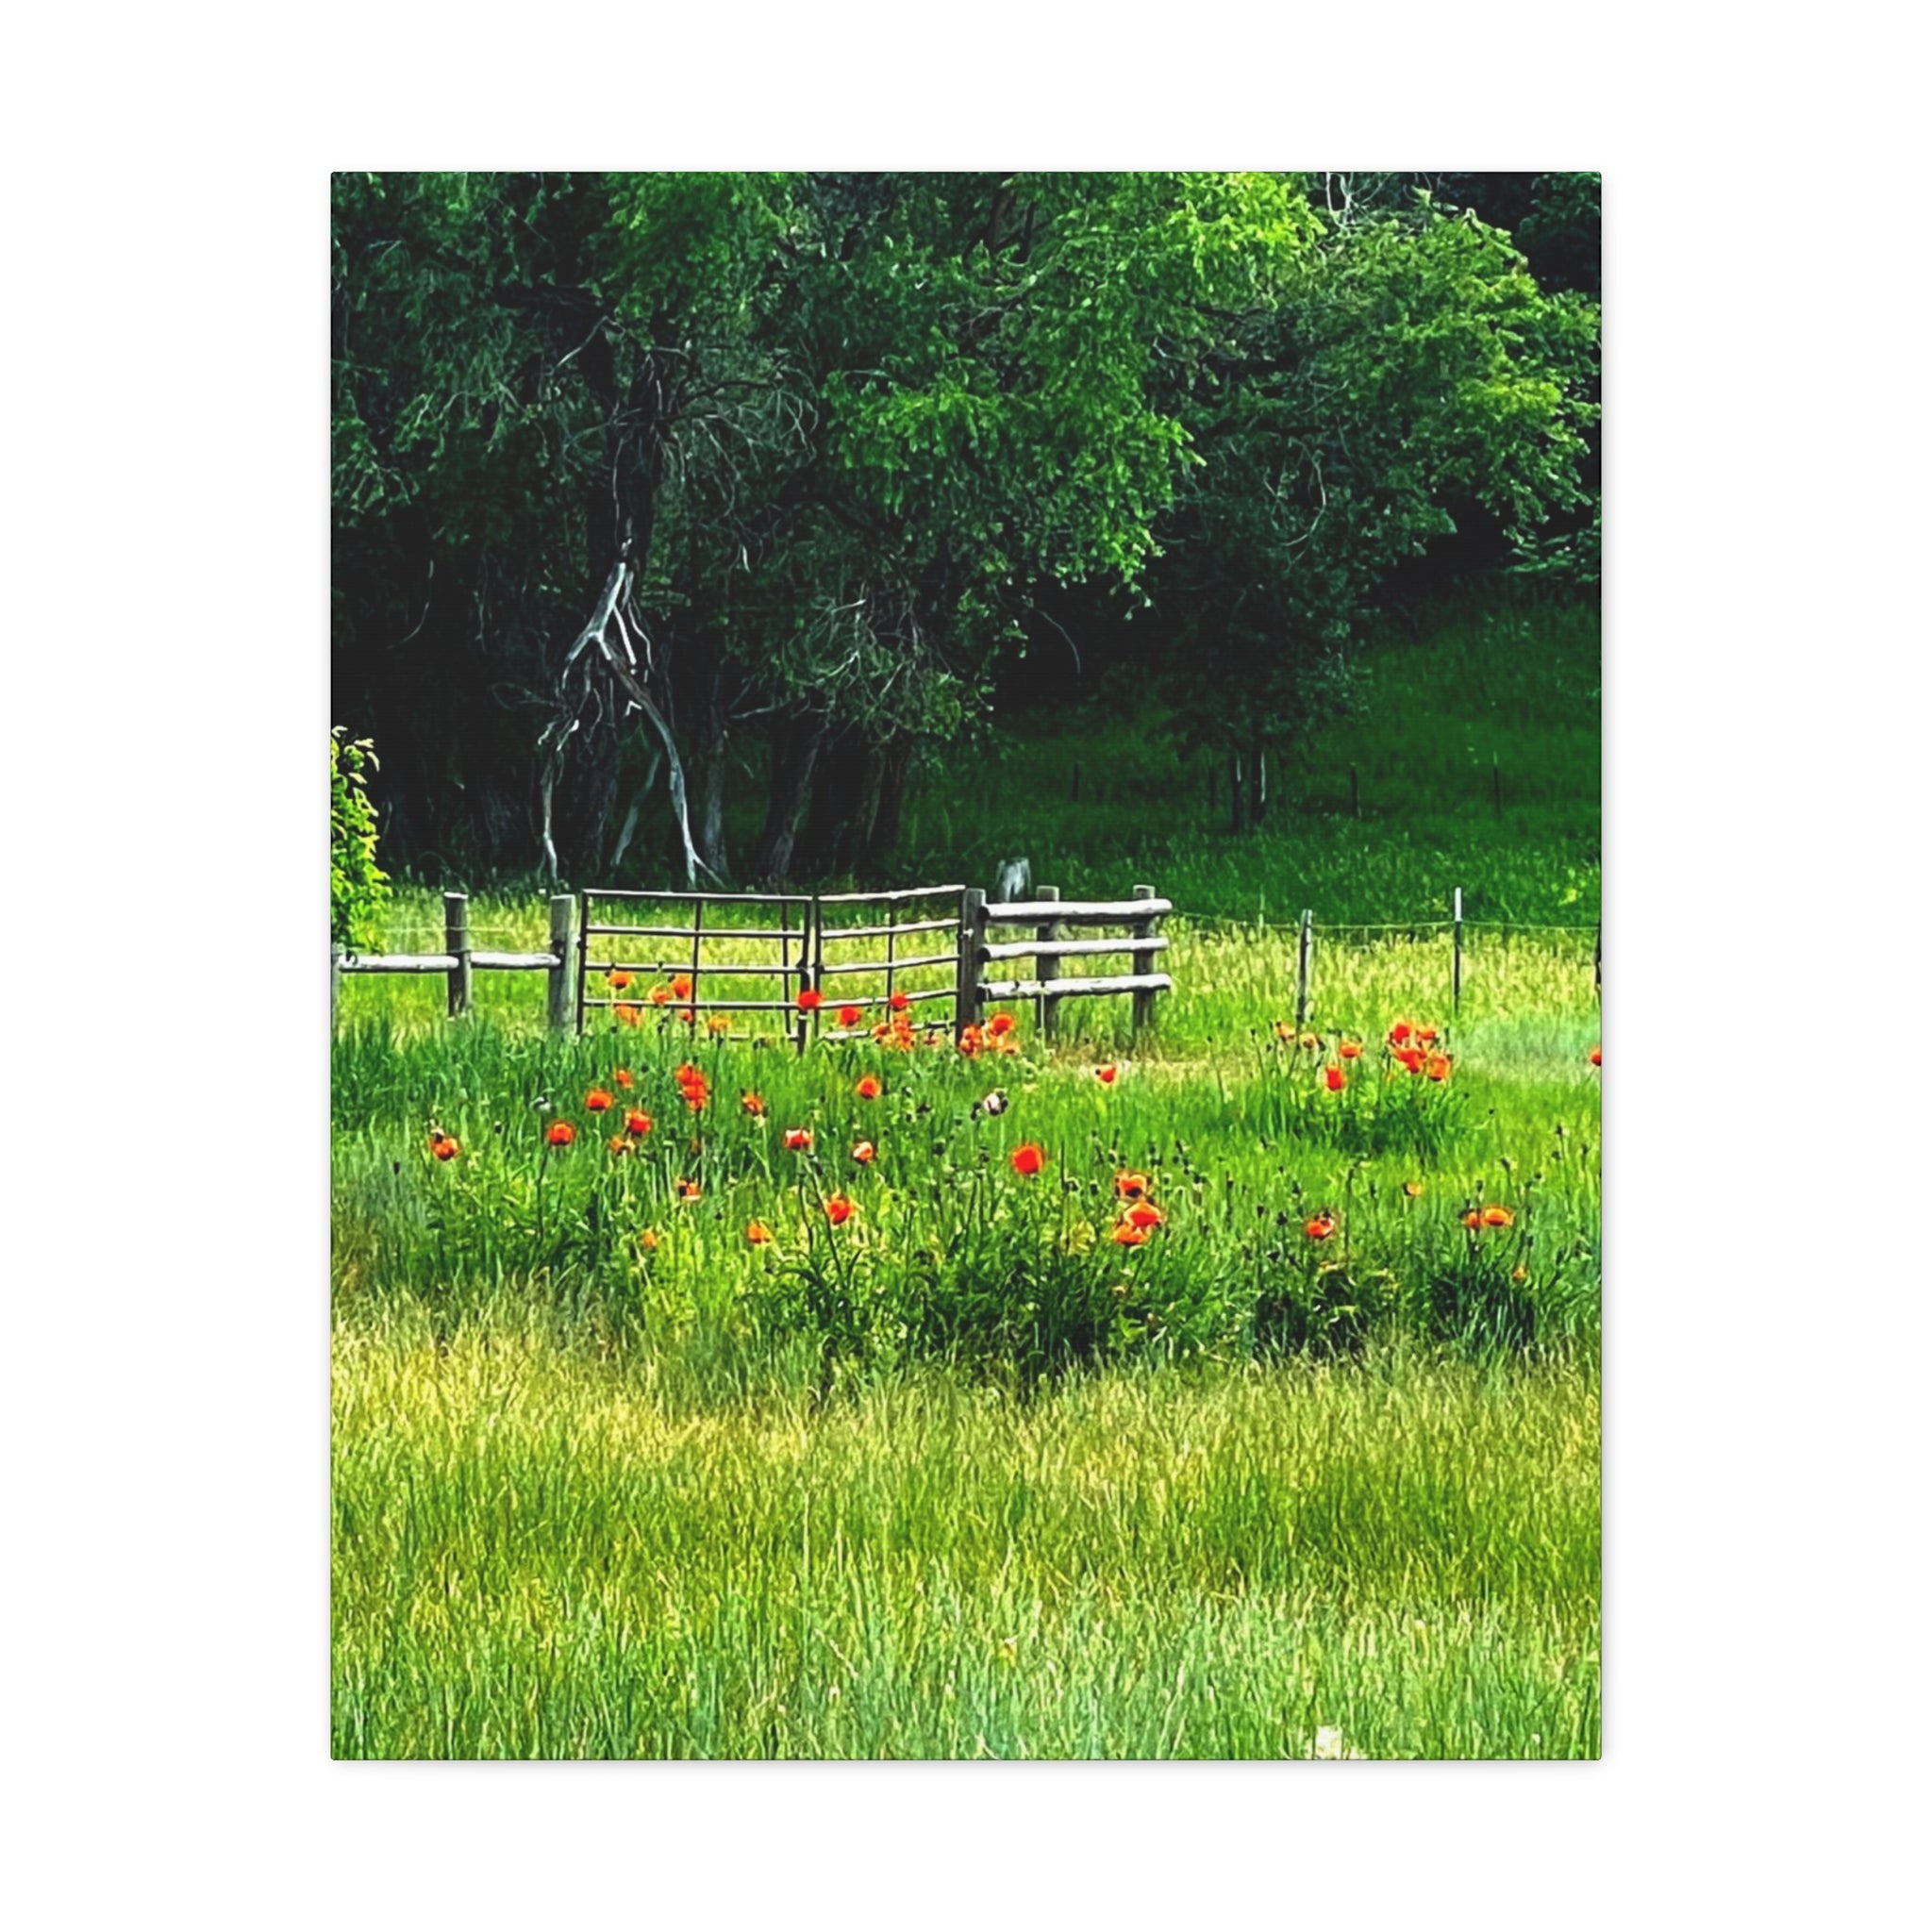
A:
{"points": [[1321, 1227], [1336, 1078], [1349, 1049], [1028, 1157], [597, 1100], [898, 1003], [680, 987], [1498, 1217], [810, 999], [1399, 1032], [849, 1016], [754, 1104], [1146, 1214], [1106, 1075], [1127, 1235], [444, 1147], [1426, 1036], [1131, 1187], [1596, 1056], [1437, 1067], [660, 995], [869, 1088], [689, 1015], [1473, 1218], [757, 1233], [561, 1134], [637, 1123], [864, 1152], [617, 981], [797, 1139], [971, 1040], [1411, 1056], [1001, 1023], [837, 1209], [623, 1077]]}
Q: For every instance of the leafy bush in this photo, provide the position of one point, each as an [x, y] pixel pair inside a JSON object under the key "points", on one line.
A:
{"points": [[357, 887]]}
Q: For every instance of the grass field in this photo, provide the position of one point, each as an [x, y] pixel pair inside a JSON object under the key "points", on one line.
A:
{"points": [[1241, 1404]]}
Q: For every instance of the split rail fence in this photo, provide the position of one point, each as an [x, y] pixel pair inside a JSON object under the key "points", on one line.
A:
{"points": [[734, 952]]}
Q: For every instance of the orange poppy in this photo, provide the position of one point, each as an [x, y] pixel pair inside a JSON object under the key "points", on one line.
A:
{"points": [[849, 1016], [561, 1134], [629, 1016], [623, 1077], [687, 1191], [1473, 1218], [660, 995], [680, 987], [898, 1003], [971, 1039], [1336, 1078], [757, 1233], [754, 1104], [1284, 1032], [1029, 1158], [617, 1145], [1106, 1075], [797, 1139], [869, 1088], [597, 1100], [837, 1209], [1311, 1042], [1426, 1036], [1146, 1214], [1321, 1227], [1131, 1187], [617, 980], [1596, 1056], [1412, 1189], [444, 1147], [1411, 1056], [1399, 1032], [1438, 1066], [864, 1152], [1498, 1217], [1349, 1049], [1127, 1235], [649, 1238], [689, 1015], [810, 999], [1001, 1023], [636, 1122], [718, 1023]]}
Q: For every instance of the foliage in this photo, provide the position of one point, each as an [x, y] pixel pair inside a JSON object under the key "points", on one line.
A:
{"points": [[357, 887], [849, 432]]}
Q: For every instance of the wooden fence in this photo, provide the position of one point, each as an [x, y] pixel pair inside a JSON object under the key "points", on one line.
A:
{"points": [[1049, 915], [693, 947]]}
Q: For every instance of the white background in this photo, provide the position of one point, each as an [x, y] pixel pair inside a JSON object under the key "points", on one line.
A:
{"points": [[166, 651]]}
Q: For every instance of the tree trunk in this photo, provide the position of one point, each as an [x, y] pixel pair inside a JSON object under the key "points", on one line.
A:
{"points": [[795, 752], [708, 833], [843, 797], [895, 763], [1257, 767]]}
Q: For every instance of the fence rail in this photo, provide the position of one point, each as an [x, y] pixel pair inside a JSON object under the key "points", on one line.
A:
{"points": [[810, 955]]}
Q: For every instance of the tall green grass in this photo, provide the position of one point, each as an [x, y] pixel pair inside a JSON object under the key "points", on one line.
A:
{"points": [[547, 1550]]}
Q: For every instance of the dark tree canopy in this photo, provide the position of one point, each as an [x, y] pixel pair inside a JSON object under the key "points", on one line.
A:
{"points": [[649, 485]]}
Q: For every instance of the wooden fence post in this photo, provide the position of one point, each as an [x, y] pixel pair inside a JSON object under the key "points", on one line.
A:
{"points": [[1303, 960], [563, 992], [1142, 962], [1596, 965], [1047, 968], [1456, 957], [455, 942], [971, 935]]}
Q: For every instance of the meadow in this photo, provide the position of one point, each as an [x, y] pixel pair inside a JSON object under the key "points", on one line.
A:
{"points": [[1231, 1392]]}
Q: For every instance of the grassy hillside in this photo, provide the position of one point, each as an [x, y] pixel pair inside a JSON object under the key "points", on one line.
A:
{"points": [[1492, 693]]}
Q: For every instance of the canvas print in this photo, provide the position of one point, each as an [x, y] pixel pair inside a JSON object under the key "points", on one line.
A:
{"points": [[965, 967]]}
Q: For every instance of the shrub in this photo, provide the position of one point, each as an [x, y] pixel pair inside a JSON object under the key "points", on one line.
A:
{"points": [[357, 887]]}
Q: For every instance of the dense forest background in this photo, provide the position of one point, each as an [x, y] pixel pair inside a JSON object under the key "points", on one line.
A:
{"points": [[684, 523]]}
